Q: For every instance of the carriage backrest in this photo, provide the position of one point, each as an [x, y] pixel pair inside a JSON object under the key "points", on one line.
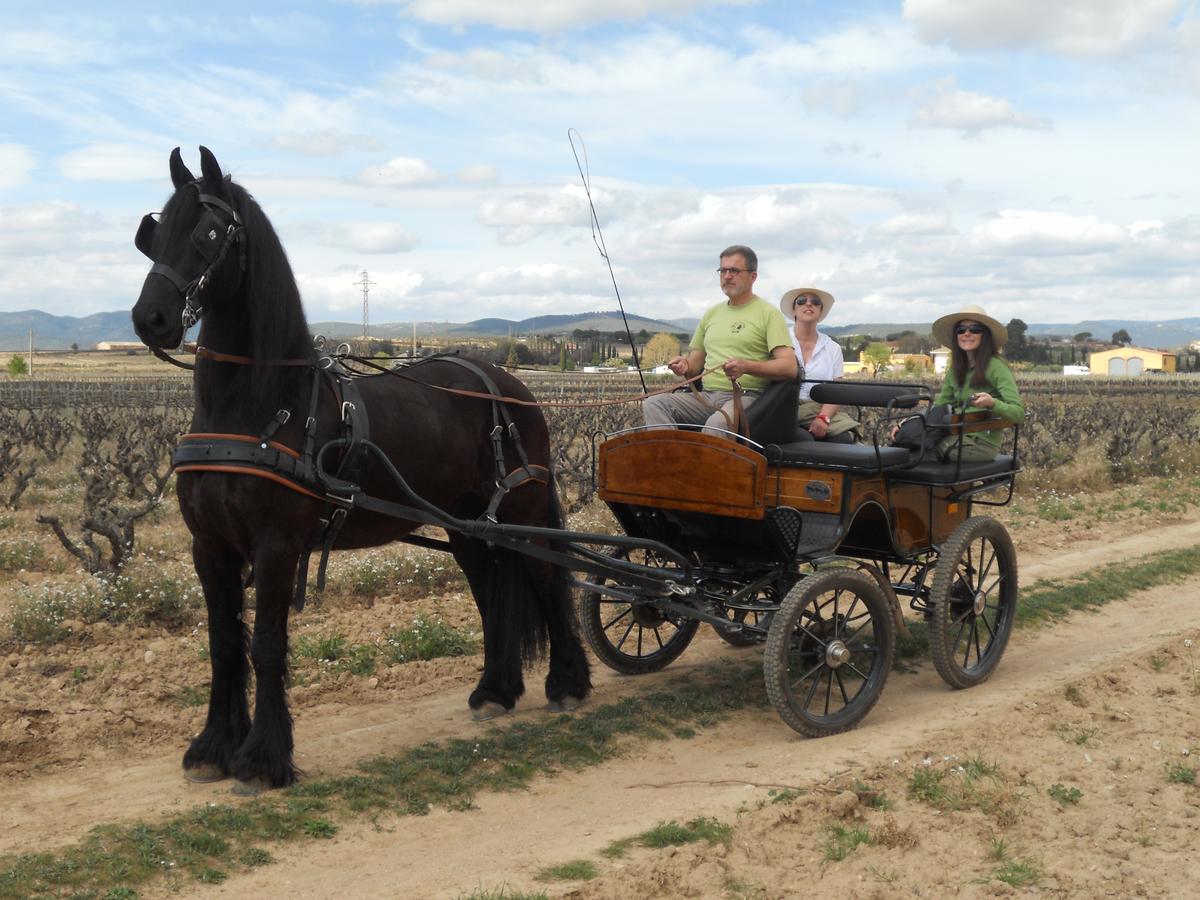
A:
{"points": [[852, 393], [771, 419]]}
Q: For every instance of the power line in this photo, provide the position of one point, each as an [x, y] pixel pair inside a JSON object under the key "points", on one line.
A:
{"points": [[365, 284]]}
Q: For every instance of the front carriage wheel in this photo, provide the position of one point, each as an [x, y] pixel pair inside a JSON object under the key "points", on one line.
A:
{"points": [[829, 652], [633, 638], [973, 602]]}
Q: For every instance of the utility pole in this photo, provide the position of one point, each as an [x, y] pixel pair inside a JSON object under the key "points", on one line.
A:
{"points": [[365, 284], [31, 351]]}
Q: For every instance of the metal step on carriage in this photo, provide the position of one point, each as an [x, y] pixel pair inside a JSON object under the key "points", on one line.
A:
{"points": [[807, 547]]}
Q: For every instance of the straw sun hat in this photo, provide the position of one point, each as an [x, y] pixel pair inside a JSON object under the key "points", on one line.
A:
{"points": [[943, 328], [786, 301]]}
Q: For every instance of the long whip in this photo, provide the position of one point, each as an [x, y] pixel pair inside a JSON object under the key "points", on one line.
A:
{"points": [[598, 240]]}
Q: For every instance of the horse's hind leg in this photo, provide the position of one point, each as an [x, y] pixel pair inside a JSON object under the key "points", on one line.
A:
{"points": [[488, 570], [265, 757], [211, 752]]}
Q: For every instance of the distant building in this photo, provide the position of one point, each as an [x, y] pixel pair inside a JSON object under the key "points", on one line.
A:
{"points": [[941, 359], [1130, 361], [120, 345], [1076, 370]]}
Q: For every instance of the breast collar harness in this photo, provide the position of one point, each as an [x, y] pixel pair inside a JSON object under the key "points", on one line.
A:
{"points": [[304, 472]]}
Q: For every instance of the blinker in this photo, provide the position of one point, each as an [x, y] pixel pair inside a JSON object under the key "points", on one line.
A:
{"points": [[206, 236], [145, 234]]}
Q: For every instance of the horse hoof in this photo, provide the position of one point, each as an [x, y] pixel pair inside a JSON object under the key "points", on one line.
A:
{"points": [[489, 709], [565, 705], [205, 773], [250, 788]]}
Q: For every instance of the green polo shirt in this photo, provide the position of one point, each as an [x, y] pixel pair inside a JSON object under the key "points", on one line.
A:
{"points": [[751, 331]]}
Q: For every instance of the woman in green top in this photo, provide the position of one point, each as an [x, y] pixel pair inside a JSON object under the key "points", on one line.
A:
{"points": [[978, 379]]}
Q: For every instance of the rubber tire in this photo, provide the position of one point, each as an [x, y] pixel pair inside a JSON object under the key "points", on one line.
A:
{"points": [[740, 638], [950, 616], [879, 630], [594, 609]]}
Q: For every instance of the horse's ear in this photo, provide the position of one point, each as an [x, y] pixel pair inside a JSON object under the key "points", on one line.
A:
{"points": [[211, 169], [180, 175]]}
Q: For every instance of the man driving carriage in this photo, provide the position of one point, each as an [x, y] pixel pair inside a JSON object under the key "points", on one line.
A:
{"points": [[742, 339]]}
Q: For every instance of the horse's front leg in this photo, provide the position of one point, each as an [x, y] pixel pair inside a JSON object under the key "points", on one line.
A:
{"points": [[265, 757], [210, 755]]}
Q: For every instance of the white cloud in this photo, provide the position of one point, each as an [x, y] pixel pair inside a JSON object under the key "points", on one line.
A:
{"points": [[478, 174], [524, 215], [47, 228], [370, 237], [551, 15], [915, 224], [1036, 233], [530, 277], [972, 113], [112, 162], [1084, 28], [44, 47], [16, 162], [401, 171], [324, 143]]}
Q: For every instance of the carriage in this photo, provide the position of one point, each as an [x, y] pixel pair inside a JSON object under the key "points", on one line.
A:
{"points": [[807, 547]]}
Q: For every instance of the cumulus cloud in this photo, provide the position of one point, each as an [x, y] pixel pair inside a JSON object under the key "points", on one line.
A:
{"points": [[1084, 28], [550, 15], [1036, 233], [370, 237], [50, 227], [478, 174], [400, 171], [16, 162], [520, 217], [324, 143], [972, 113], [112, 162]]}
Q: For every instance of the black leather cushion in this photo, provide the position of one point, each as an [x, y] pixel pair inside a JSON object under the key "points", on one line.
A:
{"points": [[853, 457], [952, 473], [772, 417]]}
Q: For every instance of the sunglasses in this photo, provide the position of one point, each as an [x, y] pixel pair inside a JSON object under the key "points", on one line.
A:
{"points": [[969, 329], [808, 301]]}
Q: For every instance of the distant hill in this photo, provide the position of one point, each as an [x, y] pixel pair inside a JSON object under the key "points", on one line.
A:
{"points": [[60, 332]]}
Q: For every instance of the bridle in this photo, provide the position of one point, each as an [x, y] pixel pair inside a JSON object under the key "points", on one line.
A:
{"points": [[219, 228]]}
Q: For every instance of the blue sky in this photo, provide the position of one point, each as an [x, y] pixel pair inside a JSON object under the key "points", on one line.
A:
{"points": [[1038, 159]]}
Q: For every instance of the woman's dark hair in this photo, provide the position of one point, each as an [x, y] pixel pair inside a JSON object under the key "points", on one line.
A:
{"points": [[959, 362]]}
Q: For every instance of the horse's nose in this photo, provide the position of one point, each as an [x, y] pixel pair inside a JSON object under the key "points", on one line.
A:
{"points": [[155, 319]]}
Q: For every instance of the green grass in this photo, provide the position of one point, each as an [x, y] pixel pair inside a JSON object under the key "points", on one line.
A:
{"points": [[1019, 872], [840, 841], [577, 870], [504, 892], [428, 639], [448, 774], [673, 834], [1051, 599], [1064, 795], [1177, 773], [973, 785]]}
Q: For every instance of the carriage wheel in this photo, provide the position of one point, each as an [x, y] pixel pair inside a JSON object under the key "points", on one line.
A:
{"points": [[974, 602], [633, 638], [829, 652]]}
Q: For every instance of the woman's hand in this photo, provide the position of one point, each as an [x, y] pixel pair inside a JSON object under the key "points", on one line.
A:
{"points": [[983, 400], [818, 428]]}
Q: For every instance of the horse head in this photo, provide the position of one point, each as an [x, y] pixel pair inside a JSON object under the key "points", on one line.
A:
{"points": [[197, 247]]}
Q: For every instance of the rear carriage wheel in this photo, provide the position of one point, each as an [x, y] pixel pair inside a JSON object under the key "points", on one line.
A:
{"points": [[757, 611], [829, 652], [633, 638], [973, 602]]}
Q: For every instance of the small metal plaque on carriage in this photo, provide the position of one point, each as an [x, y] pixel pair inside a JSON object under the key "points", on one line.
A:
{"points": [[818, 490]]}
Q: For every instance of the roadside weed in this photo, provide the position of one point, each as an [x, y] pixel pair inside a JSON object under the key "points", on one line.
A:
{"points": [[1066, 796]]}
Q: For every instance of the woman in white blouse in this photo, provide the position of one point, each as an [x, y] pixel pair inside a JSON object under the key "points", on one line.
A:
{"points": [[821, 360]]}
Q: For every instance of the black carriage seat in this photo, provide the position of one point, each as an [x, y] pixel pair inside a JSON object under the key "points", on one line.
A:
{"points": [[771, 419], [846, 457]]}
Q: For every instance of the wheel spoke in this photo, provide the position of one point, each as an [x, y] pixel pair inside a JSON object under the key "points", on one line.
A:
{"points": [[842, 688], [628, 610], [625, 636]]}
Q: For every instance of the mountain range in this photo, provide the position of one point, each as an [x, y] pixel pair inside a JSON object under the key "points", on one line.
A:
{"points": [[52, 332]]}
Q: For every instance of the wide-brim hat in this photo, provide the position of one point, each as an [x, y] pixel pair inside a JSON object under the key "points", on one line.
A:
{"points": [[943, 328], [786, 301]]}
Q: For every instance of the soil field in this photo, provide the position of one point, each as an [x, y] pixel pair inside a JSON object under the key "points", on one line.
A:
{"points": [[1072, 772]]}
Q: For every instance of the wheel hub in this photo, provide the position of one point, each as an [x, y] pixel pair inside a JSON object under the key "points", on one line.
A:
{"points": [[836, 654], [980, 603]]}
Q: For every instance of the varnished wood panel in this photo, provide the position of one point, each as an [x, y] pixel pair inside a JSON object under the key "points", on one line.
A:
{"points": [[816, 490], [674, 469]]}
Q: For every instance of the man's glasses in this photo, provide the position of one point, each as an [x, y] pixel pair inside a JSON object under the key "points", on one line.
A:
{"points": [[808, 301], [732, 271], [969, 329]]}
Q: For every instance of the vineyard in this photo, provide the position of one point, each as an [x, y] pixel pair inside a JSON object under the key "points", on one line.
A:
{"points": [[102, 638]]}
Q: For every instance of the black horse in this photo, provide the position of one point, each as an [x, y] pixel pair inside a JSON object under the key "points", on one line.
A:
{"points": [[259, 360]]}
